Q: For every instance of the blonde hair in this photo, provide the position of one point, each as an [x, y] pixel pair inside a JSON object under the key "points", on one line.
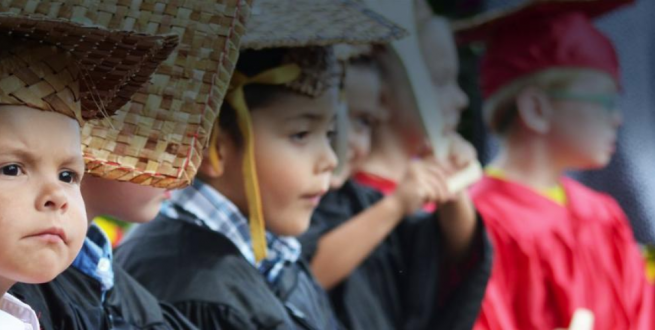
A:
{"points": [[500, 109]]}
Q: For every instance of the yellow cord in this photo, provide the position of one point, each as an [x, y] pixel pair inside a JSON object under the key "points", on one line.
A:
{"points": [[236, 98]]}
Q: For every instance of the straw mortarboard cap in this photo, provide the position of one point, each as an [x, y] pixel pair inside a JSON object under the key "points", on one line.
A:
{"points": [[56, 58], [541, 35], [158, 138], [302, 23]]}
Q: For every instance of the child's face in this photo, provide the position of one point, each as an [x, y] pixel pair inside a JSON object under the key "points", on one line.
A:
{"points": [[438, 47], [125, 201], [364, 112], [584, 133], [294, 160], [42, 217]]}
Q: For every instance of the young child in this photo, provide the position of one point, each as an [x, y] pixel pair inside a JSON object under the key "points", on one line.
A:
{"points": [[153, 141], [385, 268], [559, 245], [395, 142], [50, 85], [200, 254]]}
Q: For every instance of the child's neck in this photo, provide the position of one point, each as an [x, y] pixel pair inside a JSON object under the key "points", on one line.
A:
{"points": [[529, 162], [5, 285], [388, 158]]}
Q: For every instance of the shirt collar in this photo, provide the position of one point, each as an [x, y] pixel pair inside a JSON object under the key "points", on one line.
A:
{"points": [[95, 258], [15, 314], [216, 212]]}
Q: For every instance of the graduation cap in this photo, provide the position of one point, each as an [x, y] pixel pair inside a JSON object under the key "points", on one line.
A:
{"points": [[70, 61], [158, 137], [416, 74], [540, 35]]}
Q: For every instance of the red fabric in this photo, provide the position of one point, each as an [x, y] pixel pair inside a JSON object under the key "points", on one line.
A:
{"points": [[551, 260], [385, 186]]}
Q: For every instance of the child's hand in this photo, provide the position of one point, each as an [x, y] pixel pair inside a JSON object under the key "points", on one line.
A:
{"points": [[426, 179], [461, 154], [424, 182]]}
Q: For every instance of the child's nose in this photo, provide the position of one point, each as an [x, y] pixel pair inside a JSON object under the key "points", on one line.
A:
{"points": [[328, 160], [52, 198]]}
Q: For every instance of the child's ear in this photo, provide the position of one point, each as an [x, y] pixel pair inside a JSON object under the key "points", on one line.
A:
{"points": [[213, 161], [534, 110]]}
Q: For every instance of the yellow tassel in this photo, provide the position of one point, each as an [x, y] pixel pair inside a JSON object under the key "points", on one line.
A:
{"points": [[236, 98], [214, 159]]}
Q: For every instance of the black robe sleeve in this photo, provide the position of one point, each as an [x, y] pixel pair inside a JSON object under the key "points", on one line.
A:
{"points": [[436, 293], [405, 282], [73, 301]]}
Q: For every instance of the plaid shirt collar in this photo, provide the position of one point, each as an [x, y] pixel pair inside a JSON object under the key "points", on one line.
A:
{"points": [[95, 258], [214, 211]]}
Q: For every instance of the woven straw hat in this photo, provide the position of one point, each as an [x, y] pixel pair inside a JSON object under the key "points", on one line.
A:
{"points": [[158, 138], [57, 58], [301, 23]]}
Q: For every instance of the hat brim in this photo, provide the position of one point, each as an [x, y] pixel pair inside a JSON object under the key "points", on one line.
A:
{"points": [[482, 27], [303, 23], [114, 64], [158, 138]]}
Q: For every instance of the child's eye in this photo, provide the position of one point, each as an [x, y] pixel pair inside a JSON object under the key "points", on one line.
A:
{"points": [[331, 134], [68, 177], [11, 170], [300, 136], [364, 122]]}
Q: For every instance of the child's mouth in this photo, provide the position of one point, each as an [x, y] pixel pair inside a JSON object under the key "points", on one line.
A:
{"points": [[315, 198], [52, 235]]}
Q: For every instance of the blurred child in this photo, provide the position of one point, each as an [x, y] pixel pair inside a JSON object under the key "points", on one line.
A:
{"points": [[385, 265], [559, 246]]}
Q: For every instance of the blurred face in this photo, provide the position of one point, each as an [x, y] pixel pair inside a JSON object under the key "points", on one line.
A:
{"points": [[438, 47], [364, 113], [294, 160], [584, 132], [125, 201], [398, 102], [42, 217]]}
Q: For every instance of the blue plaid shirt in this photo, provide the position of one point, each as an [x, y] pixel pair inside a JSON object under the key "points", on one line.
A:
{"points": [[95, 258], [216, 212]]}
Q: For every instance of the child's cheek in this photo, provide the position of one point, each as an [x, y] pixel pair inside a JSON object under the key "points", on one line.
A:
{"points": [[78, 222]]}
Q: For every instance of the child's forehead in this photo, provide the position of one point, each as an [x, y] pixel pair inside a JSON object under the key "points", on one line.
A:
{"points": [[56, 133], [593, 80], [294, 106]]}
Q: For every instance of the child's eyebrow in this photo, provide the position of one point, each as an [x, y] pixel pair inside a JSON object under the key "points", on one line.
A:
{"points": [[311, 117], [20, 153], [30, 157], [74, 160]]}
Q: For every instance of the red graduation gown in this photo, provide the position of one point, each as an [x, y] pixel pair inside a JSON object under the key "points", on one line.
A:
{"points": [[551, 260]]}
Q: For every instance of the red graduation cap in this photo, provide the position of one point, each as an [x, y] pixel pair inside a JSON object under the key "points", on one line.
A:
{"points": [[539, 35]]}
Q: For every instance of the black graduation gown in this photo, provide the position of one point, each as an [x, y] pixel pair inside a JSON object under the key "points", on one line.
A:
{"points": [[73, 301], [203, 274], [404, 283]]}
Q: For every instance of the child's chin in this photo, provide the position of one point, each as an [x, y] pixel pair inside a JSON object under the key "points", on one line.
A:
{"points": [[42, 276], [292, 228]]}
